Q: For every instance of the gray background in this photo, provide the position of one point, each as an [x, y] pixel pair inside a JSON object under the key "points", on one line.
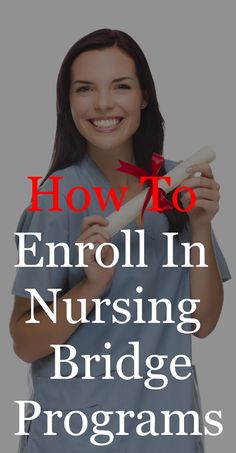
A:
{"points": [[190, 46]]}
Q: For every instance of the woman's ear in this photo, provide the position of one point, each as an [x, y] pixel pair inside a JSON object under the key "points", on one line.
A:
{"points": [[144, 102], [143, 105]]}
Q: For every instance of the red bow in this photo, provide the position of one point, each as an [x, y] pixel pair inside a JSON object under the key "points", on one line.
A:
{"points": [[157, 163]]}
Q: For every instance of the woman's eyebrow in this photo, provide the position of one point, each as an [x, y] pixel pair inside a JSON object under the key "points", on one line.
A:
{"points": [[120, 79], [82, 81]]}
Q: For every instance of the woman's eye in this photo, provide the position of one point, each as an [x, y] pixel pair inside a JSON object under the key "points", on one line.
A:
{"points": [[122, 86], [83, 89]]}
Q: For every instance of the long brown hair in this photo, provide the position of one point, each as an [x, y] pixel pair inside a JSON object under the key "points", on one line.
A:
{"points": [[70, 146]]}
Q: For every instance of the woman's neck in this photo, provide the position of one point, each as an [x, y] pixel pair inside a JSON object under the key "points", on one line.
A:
{"points": [[108, 161]]}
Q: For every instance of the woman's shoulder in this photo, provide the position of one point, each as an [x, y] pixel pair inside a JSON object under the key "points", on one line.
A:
{"points": [[48, 202], [64, 179]]}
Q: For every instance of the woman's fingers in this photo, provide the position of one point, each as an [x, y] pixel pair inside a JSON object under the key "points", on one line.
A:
{"points": [[92, 225], [91, 220], [205, 187], [96, 239], [206, 205], [204, 169], [106, 253], [201, 181], [91, 231], [206, 190], [202, 193]]}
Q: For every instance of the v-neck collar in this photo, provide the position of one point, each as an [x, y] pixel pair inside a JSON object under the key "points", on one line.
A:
{"points": [[91, 167]]}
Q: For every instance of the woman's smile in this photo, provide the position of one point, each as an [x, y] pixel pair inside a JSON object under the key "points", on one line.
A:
{"points": [[106, 124], [105, 100]]}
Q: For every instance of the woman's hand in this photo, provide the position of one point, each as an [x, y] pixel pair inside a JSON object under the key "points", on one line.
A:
{"points": [[93, 231], [205, 282], [207, 194]]}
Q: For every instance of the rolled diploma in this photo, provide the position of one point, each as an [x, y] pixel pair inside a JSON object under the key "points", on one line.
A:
{"points": [[130, 210]]}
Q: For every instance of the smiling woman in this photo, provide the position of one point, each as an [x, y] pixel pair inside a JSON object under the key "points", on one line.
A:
{"points": [[107, 110]]}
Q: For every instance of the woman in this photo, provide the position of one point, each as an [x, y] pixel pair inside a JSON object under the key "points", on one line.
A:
{"points": [[107, 110]]}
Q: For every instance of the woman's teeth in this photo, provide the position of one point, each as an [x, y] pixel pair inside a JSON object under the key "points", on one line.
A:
{"points": [[106, 123]]}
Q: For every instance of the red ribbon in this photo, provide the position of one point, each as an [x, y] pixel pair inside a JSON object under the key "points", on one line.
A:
{"points": [[156, 164]]}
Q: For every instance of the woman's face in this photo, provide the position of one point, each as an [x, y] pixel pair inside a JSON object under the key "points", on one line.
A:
{"points": [[105, 98]]}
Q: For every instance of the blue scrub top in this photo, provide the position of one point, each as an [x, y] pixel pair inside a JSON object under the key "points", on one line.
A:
{"points": [[157, 282]]}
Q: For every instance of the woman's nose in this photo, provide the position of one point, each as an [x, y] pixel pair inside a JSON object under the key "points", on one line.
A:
{"points": [[104, 100]]}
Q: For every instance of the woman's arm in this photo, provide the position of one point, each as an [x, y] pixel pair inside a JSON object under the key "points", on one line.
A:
{"points": [[32, 341], [205, 283]]}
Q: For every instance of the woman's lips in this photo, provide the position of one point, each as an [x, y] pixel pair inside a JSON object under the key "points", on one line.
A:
{"points": [[106, 124]]}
